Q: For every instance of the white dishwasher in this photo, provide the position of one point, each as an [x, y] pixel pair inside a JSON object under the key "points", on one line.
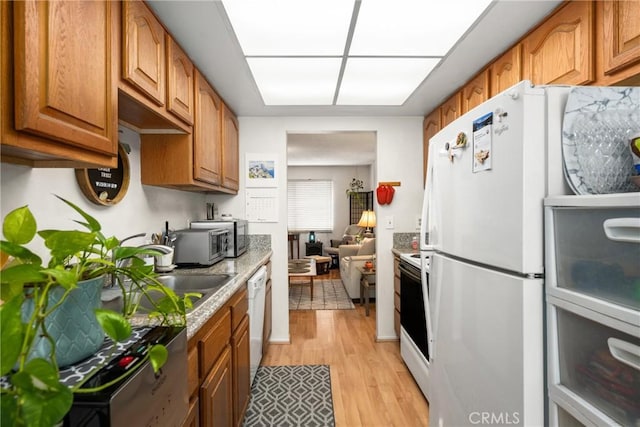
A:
{"points": [[256, 291]]}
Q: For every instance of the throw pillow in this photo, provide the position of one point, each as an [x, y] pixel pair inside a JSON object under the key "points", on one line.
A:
{"points": [[368, 247]]}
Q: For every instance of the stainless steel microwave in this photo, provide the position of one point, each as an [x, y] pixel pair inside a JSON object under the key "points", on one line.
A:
{"points": [[238, 239], [200, 247]]}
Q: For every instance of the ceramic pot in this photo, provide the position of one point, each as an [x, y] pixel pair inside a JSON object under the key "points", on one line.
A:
{"points": [[73, 325]]}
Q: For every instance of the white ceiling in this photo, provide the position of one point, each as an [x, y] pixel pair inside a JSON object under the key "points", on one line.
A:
{"points": [[204, 32]]}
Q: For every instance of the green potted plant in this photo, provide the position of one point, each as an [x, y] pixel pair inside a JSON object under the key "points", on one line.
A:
{"points": [[34, 294]]}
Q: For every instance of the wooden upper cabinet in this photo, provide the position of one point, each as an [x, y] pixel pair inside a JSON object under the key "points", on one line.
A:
{"points": [[450, 109], [143, 63], [230, 147], [180, 82], [207, 132], [560, 51], [476, 91], [430, 126], [64, 77], [506, 71], [621, 34]]}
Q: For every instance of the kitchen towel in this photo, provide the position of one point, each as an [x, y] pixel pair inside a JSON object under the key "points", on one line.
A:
{"points": [[327, 295], [298, 395]]}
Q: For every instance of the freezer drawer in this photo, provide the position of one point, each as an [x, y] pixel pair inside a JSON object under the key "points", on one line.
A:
{"points": [[594, 252], [594, 364]]}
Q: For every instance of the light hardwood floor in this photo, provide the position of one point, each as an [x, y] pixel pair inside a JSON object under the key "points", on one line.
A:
{"points": [[370, 383]]}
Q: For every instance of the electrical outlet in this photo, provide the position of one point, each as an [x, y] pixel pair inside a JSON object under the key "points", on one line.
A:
{"points": [[388, 222], [418, 221]]}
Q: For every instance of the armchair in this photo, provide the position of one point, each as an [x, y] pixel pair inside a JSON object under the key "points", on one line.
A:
{"points": [[351, 257]]}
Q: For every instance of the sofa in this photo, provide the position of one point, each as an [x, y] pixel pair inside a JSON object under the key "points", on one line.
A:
{"points": [[348, 238], [352, 257]]}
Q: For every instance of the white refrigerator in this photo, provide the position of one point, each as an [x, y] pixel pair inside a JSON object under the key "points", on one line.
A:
{"points": [[488, 173]]}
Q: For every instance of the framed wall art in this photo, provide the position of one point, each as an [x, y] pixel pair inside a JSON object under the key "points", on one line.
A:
{"points": [[262, 170]]}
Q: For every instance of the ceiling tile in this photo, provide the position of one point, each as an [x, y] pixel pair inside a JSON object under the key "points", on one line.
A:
{"points": [[290, 27], [412, 27], [296, 81], [382, 81]]}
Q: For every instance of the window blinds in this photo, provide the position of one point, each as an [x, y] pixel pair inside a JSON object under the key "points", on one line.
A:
{"points": [[310, 205]]}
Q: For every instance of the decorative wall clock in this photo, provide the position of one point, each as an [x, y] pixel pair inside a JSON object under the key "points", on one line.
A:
{"points": [[106, 186]]}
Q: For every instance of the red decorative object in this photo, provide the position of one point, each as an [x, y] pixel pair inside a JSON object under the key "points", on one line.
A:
{"points": [[385, 193]]}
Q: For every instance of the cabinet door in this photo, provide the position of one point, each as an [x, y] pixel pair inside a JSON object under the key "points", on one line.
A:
{"points": [[476, 91], [180, 82], [506, 71], [240, 349], [560, 51], [430, 126], [230, 157], [143, 41], [450, 110], [621, 38], [64, 74], [207, 146], [193, 416], [216, 399]]}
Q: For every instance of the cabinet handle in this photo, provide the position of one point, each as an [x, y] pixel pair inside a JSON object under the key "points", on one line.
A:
{"points": [[622, 229], [625, 352]]}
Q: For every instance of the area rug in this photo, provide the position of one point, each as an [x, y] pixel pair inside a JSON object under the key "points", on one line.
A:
{"points": [[291, 396], [327, 295]]}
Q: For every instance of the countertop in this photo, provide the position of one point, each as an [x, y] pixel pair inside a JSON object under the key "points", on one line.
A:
{"points": [[243, 267]]}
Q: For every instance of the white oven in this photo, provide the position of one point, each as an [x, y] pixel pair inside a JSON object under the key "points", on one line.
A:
{"points": [[414, 319]]}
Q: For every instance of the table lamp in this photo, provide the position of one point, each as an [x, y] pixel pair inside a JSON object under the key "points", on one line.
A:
{"points": [[367, 220]]}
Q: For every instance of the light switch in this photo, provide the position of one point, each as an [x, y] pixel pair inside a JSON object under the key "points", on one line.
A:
{"points": [[388, 222]]}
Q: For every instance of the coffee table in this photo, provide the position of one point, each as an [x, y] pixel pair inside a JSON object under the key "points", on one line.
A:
{"points": [[322, 263], [303, 268]]}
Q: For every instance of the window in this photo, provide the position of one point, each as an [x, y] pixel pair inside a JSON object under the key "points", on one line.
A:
{"points": [[310, 205]]}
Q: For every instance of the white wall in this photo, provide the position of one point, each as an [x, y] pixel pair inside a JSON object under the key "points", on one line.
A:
{"points": [[399, 158], [341, 177], [143, 209]]}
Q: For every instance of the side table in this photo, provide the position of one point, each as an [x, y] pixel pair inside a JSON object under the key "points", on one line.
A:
{"points": [[367, 281]]}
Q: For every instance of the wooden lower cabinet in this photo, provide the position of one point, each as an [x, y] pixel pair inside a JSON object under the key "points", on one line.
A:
{"points": [[216, 393], [219, 367], [240, 350], [193, 416]]}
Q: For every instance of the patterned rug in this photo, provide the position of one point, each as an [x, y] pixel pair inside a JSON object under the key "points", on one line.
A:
{"points": [[291, 396], [327, 295]]}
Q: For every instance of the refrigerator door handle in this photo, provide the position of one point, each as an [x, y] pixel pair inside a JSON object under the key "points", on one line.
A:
{"points": [[622, 229], [625, 352]]}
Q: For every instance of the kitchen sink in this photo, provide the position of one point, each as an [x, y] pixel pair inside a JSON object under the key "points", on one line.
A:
{"points": [[194, 282], [203, 284]]}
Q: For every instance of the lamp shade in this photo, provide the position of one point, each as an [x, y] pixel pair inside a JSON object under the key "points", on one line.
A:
{"points": [[368, 219]]}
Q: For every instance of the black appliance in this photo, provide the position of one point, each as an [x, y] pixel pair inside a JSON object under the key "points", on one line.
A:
{"points": [[412, 312], [144, 398]]}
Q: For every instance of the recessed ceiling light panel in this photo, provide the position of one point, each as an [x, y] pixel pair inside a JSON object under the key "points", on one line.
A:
{"points": [[290, 27], [412, 27], [382, 81], [295, 81]]}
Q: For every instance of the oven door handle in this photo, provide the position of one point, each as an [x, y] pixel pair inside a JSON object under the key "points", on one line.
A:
{"points": [[408, 272]]}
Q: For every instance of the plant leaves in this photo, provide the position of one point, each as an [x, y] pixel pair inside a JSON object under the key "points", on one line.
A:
{"points": [[66, 243], [8, 409], [65, 278], [44, 399], [158, 356], [12, 333], [92, 224], [19, 252], [21, 274], [114, 324], [19, 226]]}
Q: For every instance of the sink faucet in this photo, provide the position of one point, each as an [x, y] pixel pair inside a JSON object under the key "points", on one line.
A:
{"points": [[134, 236]]}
